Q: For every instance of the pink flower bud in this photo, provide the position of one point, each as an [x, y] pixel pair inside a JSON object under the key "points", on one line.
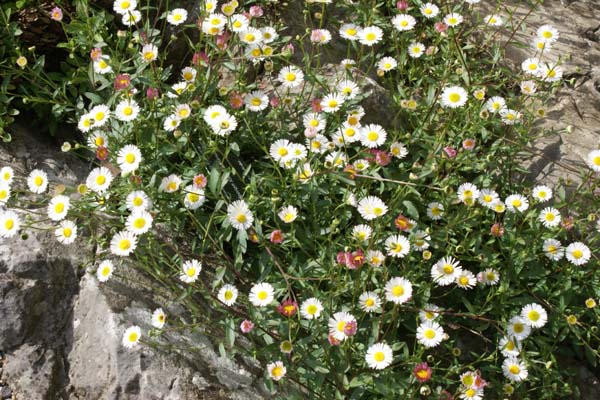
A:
{"points": [[256, 11], [277, 236], [402, 5], [151, 93], [56, 14], [246, 326], [450, 151]]}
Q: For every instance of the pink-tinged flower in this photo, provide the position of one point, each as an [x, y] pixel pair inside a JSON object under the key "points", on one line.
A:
{"points": [[567, 223], [315, 104], [56, 14], [122, 81], [468, 144], [356, 259], [200, 58], [151, 93], [200, 181], [383, 158], [480, 383], [256, 11], [274, 101], [316, 36], [441, 27], [246, 326], [350, 328], [422, 372], [350, 170], [222, 40], [403, 223], [497, 230], [310, 132], [450, 151], [333, 341], [95, 53], [287, 308], [277, 236], [101, 153], [289, 48], [236, 100], [402, 5], [343, 257]]}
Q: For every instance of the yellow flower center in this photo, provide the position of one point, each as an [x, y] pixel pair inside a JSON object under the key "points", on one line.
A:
{"points": [[467, 380], [99, 116], [139, 223], [596, 160], [516, 203], [193, 197], [289, 217], [149, 55], [102, 64], [290, 77], [404, 23], [9, 224], [172, 186], [514, 369], [133, 337], [370, 302], [130, 158], [550, 217], [377, 210], [370, 36], [533, 315], [59, 207], [38, 181], [341, 326], [67, 232], [228, 295], [100, 180], [547, 35], [422, 373], [241, 218], [373, 136], [124, 244], [379, 356], [463, 280], [429, 333], [262, 295], [277, 371], [311, 309], [398, 290], [177, 17], [518, 328], [448, 269], [577, 253], [351, 32]]}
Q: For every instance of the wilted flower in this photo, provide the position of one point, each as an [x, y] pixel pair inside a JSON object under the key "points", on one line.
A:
{"points": [[287, 308], [497, 230], [422, 372]]}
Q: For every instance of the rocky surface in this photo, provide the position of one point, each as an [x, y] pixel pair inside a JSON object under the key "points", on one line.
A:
{"points": [[572, 121], [61, 330]]}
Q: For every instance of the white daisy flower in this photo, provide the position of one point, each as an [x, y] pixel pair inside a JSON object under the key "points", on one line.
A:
{"points": [[348, 89], [124, 6], [435, 211], [105, 270], [471, 393], [518, 328], [131, 337], [495, 104], [314, 121], [311, 308], [445, 271], [336, 159], [489, 277], [239, 215], [97, 139], [37, 181], [465, 279], [332, 102], [194, 197], [4, 193], [387, 64], [139, 222], [553, 249], [534, 315], [101, 114], [362, 232], [290, 77], [379, 356], [429, 10], [138, 200], [101, 66], [256, 101], [468, 193], [550, 217], [170, 184], [372, 135], [288, 214], [498, 206], [510, 347], [239, 23], [371, 207], [228, 294], [349, 32], [177, 16], [375, 258], [487, 197], [493, 20], [531, 66], [370, 35], [131, 18], [369, 302], [276, 370], [398, 290], [430, 334], [10, 223], [261, 294], [453, 19], [159, 318], [454, 97], [550, 73], [250, 36], [516, 202], [403, 22], [66, 233], [528, 87], [510, 117], [341, 325], [127, 110], [416, 49], [593, 160], [224, 125], [578, 253], [542, 193], [123, 243], [129, 158], [58, 207], [149, 52], [548, 33], [429, 312], [176, 90], [190, 271], [183, 111], [514, 369], [7, 175], [99, 180], [189, 74], [397, 246]]}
